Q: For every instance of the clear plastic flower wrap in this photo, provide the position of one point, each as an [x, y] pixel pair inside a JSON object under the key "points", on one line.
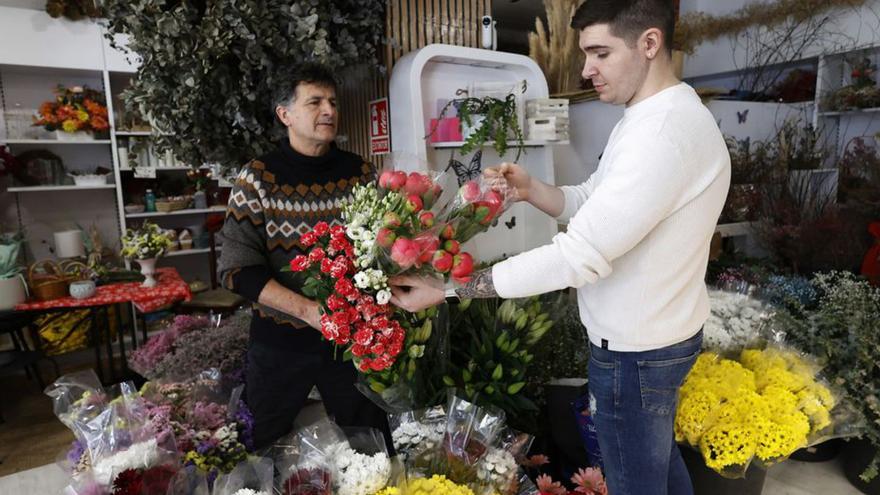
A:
{"points": [[498, 472], [252, 476], [416, 431], [470, 431], [360, 465], [477, 205], [761, 406], [408, 381], [303, 460], [111, 424], [77, 398], [738, 317], [189, 481]]}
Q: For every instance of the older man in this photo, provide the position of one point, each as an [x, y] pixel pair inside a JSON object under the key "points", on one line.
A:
{"points": [[275, 199]]}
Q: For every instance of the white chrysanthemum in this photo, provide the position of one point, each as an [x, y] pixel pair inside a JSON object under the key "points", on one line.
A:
{"points": [[383, 296]]}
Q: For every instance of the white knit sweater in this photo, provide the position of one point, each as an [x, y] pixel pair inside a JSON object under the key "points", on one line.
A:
{"points": [[639, 229]]}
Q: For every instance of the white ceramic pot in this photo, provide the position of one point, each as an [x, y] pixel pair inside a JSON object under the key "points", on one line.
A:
{"points": [[148, 269], [82, 289], [12, 292], [74, 136]]}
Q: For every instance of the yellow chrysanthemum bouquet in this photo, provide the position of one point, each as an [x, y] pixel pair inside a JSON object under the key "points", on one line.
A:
{"points": [[761, 407]]}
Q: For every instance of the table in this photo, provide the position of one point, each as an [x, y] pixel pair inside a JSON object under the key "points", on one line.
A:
{"points": [[170, 289]]}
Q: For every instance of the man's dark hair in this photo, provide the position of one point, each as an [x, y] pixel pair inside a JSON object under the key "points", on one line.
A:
{"points": [[628, 19], [289, 77]]}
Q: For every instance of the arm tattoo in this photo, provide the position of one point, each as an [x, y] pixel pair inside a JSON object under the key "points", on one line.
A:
{"points": [[480, 286]]}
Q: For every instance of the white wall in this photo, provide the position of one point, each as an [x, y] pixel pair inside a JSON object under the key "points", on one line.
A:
{"points": [[859, 26]]}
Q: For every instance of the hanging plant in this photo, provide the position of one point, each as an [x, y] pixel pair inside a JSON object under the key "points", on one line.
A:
{"points": [[489, 118], [209, 68]]}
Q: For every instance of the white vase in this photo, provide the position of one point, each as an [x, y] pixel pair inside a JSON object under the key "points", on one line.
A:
{"points": [[74, 136], [148, 269], [12, 292]]}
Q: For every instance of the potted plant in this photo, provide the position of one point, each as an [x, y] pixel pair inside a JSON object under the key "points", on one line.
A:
{"points": [[145, 245], [13, 289], [76, 113], [487, 118], [751, 167]]}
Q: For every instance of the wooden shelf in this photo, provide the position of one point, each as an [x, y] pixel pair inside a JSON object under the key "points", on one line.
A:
{"points": [[160, 169], [58, 188], [185, 252], [190, 211], [133, 133], [53, 141], [849, 112], [488, 144]]}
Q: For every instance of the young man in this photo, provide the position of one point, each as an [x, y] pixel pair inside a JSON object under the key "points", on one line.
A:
{"points": [[637, 244], [275, 199]]}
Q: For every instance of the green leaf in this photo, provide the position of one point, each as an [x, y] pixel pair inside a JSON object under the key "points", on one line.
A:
{"points": [[515, 388]]}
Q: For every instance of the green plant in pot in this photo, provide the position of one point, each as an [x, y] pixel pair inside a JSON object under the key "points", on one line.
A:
{"points": [[487, 118]]}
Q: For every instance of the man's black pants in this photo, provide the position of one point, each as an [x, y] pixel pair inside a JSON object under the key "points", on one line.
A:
{"points": [[279, 382]]}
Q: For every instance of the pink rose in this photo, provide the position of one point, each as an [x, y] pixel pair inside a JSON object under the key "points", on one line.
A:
{"points": [[404, 252], [385, 237], [397, 180], [470, 191], [417, 184], [442, 261], [426, 218], [462, 267], [414, 203]]}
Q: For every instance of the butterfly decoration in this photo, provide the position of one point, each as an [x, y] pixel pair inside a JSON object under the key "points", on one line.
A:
{"points": [[469, 172], [742, 116], [511, 223]]}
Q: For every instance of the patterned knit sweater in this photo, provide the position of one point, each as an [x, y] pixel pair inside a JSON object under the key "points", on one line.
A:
{"points": [[274, 200]]}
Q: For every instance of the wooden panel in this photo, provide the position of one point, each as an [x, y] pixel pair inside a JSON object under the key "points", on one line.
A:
{"points": [[409, 25]]}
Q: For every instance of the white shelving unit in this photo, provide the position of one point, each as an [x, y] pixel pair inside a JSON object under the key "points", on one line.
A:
{"points": [[190, 211], [72, 54], [421, 78], [25, 189]]}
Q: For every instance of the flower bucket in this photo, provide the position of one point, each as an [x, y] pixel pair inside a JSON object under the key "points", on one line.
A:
{"points": [[822, 452], [706, 480], [856, 456], [12, 292]]}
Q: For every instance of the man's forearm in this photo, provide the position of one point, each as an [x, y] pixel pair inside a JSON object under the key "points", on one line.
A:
{"points": [[547, 198], [279, 297], [480, 286]]}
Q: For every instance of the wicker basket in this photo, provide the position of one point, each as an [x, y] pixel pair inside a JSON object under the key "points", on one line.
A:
{"points": [[49, 285], [166, 206]]}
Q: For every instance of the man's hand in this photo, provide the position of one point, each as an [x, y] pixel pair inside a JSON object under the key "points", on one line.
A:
{"points": [[312, 315], [516, 177], [414, 294]]}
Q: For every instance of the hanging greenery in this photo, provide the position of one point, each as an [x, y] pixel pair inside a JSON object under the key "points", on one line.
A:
{"points": [[695, 28], [208, 68]]}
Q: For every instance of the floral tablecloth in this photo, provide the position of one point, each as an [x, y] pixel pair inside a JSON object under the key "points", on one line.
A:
{"points": [[171, 288]]}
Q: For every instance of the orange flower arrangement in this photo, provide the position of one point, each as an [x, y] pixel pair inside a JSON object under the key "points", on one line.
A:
{"points": [[74, 109]]}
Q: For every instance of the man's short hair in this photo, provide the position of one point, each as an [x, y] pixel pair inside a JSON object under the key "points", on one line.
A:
{"points": [[628, 19], [289, 77]]}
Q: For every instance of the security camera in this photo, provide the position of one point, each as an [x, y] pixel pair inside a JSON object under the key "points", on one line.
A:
{"points": [[488, 32]]}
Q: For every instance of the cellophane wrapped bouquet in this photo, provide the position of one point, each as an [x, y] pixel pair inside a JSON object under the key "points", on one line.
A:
{"points": [[759, 406], [404, 224]]}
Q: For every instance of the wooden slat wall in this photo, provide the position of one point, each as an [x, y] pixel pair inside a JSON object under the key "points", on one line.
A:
{"points": [[410, 25]]}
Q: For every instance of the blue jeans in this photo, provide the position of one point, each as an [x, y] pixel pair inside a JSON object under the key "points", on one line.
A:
{"points": [[633, 396]]}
